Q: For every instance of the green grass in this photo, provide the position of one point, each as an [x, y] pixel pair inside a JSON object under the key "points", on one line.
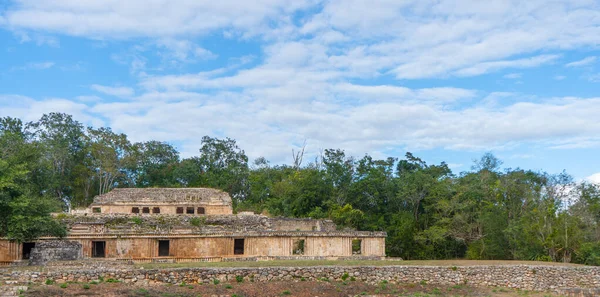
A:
{"points": [[452, 264]]}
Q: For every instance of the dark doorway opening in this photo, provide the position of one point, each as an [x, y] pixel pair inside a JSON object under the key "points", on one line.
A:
{"points": [[98, 249], [179, 210], [189, 210], [27, 246], [156, 210], [238, 246], [200, 210], [163, 248], [146, 210]]}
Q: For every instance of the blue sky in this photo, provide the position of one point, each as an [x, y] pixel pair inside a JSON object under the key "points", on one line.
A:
{"points": [[446, 80]]}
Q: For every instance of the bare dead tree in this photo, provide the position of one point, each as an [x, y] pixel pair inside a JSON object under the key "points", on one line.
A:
{"points": [[298, 156]]}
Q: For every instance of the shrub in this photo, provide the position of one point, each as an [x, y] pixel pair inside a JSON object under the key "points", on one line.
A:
{"points": [[112, 280], [86, 286], [197, 222], [352, 279], [137, 220], [216, 281], [50, 282], [64, 286], [286, 292], [345, 276], [239, 278], [228, 286]]}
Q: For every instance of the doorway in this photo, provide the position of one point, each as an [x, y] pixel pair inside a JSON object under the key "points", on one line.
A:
{"points": [[238, 246], [27, 247], [163, 248], [98, 249]]}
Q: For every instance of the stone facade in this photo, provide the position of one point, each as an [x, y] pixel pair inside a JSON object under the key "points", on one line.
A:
{"points": [[188, 224], [194, 201], [560, 279]]}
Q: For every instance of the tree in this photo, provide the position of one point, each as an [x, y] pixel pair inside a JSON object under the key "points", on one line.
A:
{"points": [[62, 141], [24, 214], [225, 166], [155, 163]]}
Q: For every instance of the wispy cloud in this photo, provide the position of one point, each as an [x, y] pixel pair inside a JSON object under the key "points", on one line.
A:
{"points": [[513, 75], [583, 62], [113, 91], [35, 66], [486, 67]]}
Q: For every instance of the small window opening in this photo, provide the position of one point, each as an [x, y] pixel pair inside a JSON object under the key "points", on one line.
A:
{"points": [[27, 247], [98, 249], [163, 248], [189, 210], [298, 247], [156, 210], [356, 247], [238, 246], [135, 210], [146, 210], [200, 210], [96, 210], [180, 210]]}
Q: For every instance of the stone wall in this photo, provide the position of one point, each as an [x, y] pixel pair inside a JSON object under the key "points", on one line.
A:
{"points": [[526, 277], [55, 250]]}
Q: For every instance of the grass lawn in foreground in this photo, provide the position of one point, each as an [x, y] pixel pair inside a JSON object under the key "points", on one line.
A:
{"points": [[307, 263]]}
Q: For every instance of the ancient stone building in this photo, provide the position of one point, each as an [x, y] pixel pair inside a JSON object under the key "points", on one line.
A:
{"points": [[196, 224]]}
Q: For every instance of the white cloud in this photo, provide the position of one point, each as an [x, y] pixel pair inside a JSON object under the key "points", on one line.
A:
{"points": [[486, 67], [113, 91], [134, 18], [559, 77], [513, 75], [583, 62], [346, 116], [409, 39], [595, 178]]}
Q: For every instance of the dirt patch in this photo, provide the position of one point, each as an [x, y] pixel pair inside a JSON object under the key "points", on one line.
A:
{"points": [[250, 289]]}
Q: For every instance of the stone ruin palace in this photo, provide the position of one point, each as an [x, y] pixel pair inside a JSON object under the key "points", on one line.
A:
{"points": [[193, 224]]}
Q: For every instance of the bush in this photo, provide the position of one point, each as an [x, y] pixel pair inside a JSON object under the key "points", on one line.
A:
{"points": [[216, 281], [197, 222], [345, 276], [239, 278], [137, 220], [112, 280], [64, 286], [228, 286], [86, 286], [588, 254], [286, 292], [50, 282]]}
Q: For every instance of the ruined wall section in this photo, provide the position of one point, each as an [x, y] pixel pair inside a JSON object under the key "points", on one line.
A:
{"points": [[55, 250]]}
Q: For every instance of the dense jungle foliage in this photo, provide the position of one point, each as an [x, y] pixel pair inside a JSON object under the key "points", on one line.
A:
{"points": [[428, 211]]}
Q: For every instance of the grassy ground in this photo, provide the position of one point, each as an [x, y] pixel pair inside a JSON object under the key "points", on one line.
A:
{"points": [[305, 263]]}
